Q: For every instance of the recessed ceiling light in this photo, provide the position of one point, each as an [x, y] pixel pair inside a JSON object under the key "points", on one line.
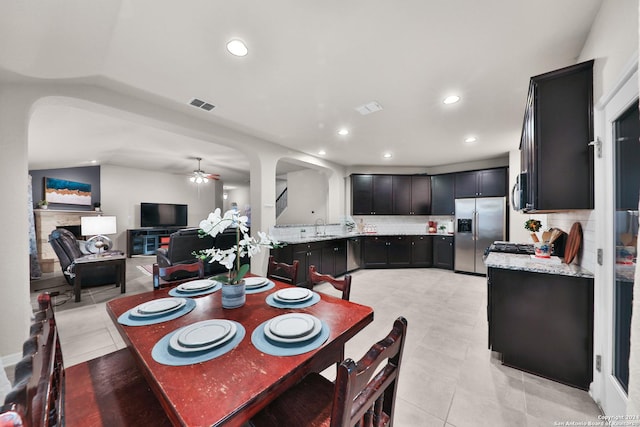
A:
{"points": [[237, 48], [322, 152], [470, 139], [94, 161], [387, 155], [343, 132], [452, 99]]}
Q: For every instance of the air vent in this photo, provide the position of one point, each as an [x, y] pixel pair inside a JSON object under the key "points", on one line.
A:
{"points": [[369, 108], [202, 104]]}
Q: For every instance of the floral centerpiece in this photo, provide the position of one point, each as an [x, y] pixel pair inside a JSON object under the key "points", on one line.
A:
{"points": [[245, 244]]}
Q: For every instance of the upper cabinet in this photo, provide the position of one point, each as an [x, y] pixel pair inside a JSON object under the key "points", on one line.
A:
{"points": [[442, 194], [390, 194], [371, 194], [556, 158], [481, 183]]}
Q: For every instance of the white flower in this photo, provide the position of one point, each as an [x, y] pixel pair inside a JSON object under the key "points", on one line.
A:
{"points": [[245, 244]]}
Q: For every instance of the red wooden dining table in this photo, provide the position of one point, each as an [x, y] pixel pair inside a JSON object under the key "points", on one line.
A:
{"points": [[231, 388]]}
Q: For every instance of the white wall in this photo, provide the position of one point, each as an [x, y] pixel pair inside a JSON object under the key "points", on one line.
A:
{"points": [[123, 189], [307, 193]]}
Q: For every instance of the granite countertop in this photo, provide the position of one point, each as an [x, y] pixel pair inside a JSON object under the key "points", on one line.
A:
{"points": [[323, 237], [553, 265]]}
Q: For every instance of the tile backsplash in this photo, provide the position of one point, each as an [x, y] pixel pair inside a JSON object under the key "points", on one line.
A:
{"points": [[564, 220]]}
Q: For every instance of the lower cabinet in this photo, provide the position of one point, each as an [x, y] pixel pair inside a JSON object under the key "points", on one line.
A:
{"points": [[397, 251], [542, 323], [443, 252], [422, 251], [329, 257]]}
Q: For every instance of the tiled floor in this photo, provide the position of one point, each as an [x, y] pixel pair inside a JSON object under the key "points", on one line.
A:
{"points": [[449, 377]]}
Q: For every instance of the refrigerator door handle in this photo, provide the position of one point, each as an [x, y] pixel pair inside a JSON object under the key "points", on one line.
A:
{"points": [[475, 225]]}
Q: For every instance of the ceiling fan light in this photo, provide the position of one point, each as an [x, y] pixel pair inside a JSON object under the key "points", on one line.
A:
{"points": [[192, 179], [205, 180]]}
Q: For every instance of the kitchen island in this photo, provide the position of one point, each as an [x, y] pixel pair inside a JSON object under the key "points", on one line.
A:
{"points": [[540, 314]]}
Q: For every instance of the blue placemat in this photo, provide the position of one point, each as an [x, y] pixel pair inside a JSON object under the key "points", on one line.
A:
{"points": [[164, 354], [266, 287], [308, 303], [127, 320], [274, 348], [177, 293]]}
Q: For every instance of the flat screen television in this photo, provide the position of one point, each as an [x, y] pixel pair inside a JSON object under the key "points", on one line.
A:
{"points": [[163, 215]]}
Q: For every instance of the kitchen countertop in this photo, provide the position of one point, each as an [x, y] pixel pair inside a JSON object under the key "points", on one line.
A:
{"points": [[324, 237], [553, 265]]}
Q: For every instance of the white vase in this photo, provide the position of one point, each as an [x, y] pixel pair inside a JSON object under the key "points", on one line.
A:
{"points": [[233, 296]]}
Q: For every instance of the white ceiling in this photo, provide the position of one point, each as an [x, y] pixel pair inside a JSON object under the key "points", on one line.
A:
{"points": [[309, 65]]}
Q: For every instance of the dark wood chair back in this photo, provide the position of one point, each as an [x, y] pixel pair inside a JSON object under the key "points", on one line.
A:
{"points": [[283, 272], [109, 390], [364, 392], [183, 272], [37, 399], [359, 397], [343, 285]]}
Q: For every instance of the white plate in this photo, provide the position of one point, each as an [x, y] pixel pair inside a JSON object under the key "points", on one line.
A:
{"points": [[196, 285], [255, 282], [293, 327], [203, 335], [293, 295], [158, 306]]}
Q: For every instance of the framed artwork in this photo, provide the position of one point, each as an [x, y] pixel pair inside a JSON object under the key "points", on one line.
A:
{"points": [[67, 192]]}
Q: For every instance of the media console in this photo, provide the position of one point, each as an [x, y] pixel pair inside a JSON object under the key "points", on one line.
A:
{"points": [[145, 241]]}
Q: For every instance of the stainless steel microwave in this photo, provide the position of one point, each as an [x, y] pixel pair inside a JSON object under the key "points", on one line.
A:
{"points": [[519, 193]]}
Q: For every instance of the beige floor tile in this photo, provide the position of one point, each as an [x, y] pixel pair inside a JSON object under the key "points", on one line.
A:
{"points": [[449, 376], [471, 409]]}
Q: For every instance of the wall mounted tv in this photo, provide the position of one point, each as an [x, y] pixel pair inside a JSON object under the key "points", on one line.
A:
{"points": [[163, 215]]}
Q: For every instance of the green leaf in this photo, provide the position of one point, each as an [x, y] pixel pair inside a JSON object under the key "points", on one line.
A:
{"points": [[244, 268]]}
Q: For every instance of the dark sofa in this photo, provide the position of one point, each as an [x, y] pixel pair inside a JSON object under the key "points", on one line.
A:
{"points": [[183, 243]]}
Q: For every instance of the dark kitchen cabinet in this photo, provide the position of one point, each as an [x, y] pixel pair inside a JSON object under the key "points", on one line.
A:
{"points": [[391, 194], [481, 183], [307, 254], [443, 252], [542, 323], [556, 158], [372, 194], [442, 194], [420, 195], [387, 251], [422, 251], [374, 251], [411, 194], [334, 257]]}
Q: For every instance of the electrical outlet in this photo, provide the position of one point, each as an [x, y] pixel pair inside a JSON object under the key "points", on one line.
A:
{"points": [[598, 363]]}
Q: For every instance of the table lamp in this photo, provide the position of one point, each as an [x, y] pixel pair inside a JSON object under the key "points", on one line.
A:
{"points": [[98, 226]]}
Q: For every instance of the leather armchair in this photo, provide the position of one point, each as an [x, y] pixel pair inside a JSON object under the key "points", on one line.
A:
{"points": [[66, 247], [183, 243]]}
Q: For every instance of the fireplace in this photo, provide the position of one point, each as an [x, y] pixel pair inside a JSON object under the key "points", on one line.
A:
{"points": [[47, 220], [76, 230]]}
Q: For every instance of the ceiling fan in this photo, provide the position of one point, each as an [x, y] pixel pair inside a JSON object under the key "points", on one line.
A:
{"points": [[200, 177]]}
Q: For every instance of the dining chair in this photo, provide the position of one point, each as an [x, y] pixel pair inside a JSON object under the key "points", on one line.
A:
{"points": [[176, 274], [287, 273], [354, 398], [109, 390], [343, 285]]}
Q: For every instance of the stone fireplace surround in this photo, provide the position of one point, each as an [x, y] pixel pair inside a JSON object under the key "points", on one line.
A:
{"points": [[47, 220]]}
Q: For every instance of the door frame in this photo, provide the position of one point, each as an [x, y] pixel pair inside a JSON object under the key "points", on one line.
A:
{"points": [[605, 388]]}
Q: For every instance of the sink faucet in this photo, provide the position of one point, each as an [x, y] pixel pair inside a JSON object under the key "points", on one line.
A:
{"points": [[319, 221]]}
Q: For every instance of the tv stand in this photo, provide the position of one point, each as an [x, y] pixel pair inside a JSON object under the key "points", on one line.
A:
{"points": [[147, 240]]}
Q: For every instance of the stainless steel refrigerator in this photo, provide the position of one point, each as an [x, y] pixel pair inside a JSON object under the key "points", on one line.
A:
{"points": [[478, 223]]}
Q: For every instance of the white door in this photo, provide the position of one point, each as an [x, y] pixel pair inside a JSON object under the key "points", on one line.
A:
{"points": [[611, 298]]}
